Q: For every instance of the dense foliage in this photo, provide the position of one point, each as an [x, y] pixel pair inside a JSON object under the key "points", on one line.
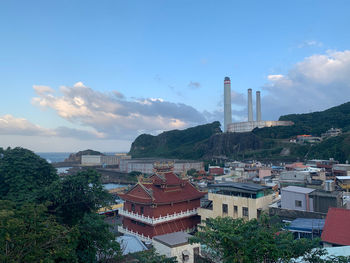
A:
{"points": [[175, 144], [23, 175], [44, 218], [314, 123], [238, 240]]}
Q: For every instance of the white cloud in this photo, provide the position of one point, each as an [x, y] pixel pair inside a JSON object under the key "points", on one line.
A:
{"points": [[10, 125], [274, 77], [316, 83], [115, 117]]}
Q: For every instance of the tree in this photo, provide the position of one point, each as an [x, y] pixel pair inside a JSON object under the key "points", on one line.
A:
{"points": [[151, 256], [237, 240], [24, 175], [28, 234], [95, 240], [75, 200], [76, 195]]}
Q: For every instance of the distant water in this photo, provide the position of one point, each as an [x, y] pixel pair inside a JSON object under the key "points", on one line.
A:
{"points": [[54, 157], [113, 186]]}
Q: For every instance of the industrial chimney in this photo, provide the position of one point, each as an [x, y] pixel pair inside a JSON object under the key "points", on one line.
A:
{"points": [[258, 106], [250, 105], [227, 103]]}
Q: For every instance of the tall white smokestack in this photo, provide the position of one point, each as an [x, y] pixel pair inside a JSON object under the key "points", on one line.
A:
{"points": [[250, 105], [258, 106], [227, 103]]}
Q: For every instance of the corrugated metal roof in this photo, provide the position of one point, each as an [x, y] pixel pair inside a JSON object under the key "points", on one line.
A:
{"points": [[130, 244], [306, 224]]}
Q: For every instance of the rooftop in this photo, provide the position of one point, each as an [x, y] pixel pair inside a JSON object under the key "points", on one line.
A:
{"points": [[173, 239], [297, 189], [337, 226], [242, 186], [306, 224]]}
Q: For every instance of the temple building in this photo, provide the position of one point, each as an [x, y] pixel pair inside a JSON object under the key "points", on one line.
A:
{"points": [[160, 204]]}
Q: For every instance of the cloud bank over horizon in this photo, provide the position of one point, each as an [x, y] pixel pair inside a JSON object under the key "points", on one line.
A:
{"points": [[316, 83]]}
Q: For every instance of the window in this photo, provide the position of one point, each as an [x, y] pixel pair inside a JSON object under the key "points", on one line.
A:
{"points": [[141, 210], [224, 208], [245, 211], [235, 209], [132, 207], [298, 203]]}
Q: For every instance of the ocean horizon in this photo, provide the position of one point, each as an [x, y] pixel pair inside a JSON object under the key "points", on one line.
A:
{"points": [[54, 157]]}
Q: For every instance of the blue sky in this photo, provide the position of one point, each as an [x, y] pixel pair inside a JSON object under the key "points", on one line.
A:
{"points": [[95, 74]]}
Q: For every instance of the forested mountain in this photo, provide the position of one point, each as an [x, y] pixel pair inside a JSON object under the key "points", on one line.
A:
{"points": [[206, 141]]}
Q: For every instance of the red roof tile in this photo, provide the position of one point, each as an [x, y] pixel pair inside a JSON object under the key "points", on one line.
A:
{"points": [[166, 188], [337, 227]]}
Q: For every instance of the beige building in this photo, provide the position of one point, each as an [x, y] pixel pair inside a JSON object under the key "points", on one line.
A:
{"points": [[176, 245], [236, 200]]}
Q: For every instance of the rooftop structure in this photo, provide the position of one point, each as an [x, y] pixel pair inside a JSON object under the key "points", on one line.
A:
{"points": [[336, 230]]}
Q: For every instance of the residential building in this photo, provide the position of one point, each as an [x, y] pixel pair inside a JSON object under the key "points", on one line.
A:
{"points": [[336, 231], [236, 200], [176, 245], [161, 204], [343, 182], [296, 198], [297, 178], [145, 165]]}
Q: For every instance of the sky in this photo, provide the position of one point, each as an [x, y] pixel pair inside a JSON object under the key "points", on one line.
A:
{"points": [[96, 74]]}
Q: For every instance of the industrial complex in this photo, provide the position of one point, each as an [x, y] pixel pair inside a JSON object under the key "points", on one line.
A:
{"points": [[249, 125]]}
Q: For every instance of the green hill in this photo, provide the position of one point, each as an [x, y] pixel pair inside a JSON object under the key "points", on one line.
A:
{"points": [[207, 141], [314, 123]]}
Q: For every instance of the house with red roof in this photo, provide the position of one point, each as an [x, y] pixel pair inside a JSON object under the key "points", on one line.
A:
{"points": [[336, 231], [160, 204]]}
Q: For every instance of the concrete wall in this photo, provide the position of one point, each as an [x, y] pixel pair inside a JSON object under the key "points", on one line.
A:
{"points": [[252, 204], [91, 160]]}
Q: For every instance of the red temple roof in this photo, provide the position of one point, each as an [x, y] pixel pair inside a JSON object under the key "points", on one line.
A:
{"points": [[337, 226], [162, 189]]}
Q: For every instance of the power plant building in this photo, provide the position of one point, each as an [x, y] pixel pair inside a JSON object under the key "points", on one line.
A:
{"points": [[249, 125]]}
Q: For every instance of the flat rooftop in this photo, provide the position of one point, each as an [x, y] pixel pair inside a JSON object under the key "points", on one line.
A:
{"points": [[242, 186], [297, 189], [173, 239]]}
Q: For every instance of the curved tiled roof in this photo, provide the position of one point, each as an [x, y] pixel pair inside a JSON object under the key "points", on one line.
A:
{"points": [[166, 188]]}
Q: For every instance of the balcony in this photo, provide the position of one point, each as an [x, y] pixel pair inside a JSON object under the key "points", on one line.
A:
{"points": [[158, 220], [130, 232]]}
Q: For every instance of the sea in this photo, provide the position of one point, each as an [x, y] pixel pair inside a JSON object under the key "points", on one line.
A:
{"points": [[54, 157]]}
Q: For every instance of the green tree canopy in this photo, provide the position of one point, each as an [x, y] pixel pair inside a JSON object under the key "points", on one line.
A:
{"points": [[24, 175], [237, 240], [28, 234]]}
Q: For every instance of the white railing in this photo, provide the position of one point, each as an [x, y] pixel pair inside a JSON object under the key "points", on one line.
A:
{"points": [[130, 232], [158, 220]]}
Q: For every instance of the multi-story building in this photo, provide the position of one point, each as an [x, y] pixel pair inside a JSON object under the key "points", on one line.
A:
{"points": [[145, 165], [236, 200], [161, 204]]}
